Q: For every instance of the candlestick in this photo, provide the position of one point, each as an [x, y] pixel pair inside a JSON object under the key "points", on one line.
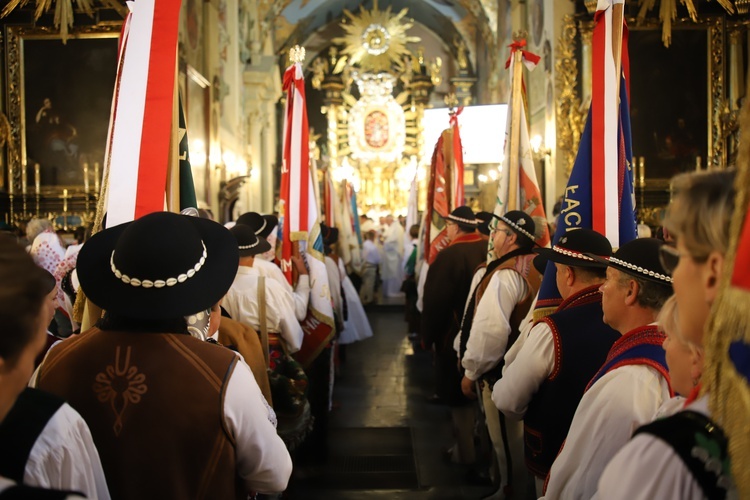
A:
{"points": [[24, 180], [642, 175], [65, 200], [86, 178], [697, 163], [96, 177], [37, 178]]}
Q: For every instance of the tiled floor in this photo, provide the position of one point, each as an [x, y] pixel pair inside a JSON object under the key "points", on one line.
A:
{"points": [[384, 383]]}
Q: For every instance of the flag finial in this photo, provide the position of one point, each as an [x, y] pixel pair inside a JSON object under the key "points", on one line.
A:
{"points": [[451, 101], [519, 35], [297, 54]]}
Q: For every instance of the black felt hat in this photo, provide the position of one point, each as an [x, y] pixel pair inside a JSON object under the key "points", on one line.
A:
{"points": [[520, 223], [262, 224], [483, 222], [161, 266], [464, 217], [247, 241], [639, 258], [573, 249], [330, 234]]}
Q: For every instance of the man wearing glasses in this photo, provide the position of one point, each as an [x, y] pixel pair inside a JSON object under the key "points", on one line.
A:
{"points": [[500, 303]]}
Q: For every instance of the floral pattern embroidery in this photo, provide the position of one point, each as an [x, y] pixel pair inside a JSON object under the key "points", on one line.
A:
{"points": [[120, 385]]}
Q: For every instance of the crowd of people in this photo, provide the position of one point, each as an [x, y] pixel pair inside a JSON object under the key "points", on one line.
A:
{"points": [[186, 385], [601, 397]]}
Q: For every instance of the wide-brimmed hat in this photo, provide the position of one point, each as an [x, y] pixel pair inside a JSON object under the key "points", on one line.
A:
{"points": [[464, 217], [161, 266], [483, 222], [639, 258], [248, 243], [262, 224], [520, 223], [573, 247], [330, 234]]}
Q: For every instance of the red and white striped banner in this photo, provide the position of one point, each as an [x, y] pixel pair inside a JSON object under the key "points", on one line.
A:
{"points": [[605, 121], [458, 163], [300, 214], [141, 125]]}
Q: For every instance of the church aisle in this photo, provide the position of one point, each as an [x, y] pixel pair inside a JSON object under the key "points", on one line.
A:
{"points": [[385, 438]]}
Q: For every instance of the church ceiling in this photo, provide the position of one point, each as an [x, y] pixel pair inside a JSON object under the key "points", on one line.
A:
{"points": [[313, 23]]}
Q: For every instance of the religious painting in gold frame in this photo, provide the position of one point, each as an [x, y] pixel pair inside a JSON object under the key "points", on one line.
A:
{"points": [[59, 99], [709, 65]]}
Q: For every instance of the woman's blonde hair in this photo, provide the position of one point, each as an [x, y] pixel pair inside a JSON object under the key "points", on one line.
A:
{"points": [[668, 321], [701, 210]]}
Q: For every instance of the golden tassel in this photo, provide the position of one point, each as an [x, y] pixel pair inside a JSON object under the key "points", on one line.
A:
{"points": [[729, 321]]}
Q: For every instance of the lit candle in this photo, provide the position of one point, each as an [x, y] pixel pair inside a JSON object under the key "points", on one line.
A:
{"points": [[642, 162], [37, 178], [65, 200], [24, 180], [96, 176], [86, 177], [697, 163]]}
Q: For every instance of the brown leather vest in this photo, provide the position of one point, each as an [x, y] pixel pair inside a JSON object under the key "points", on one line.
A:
{"points": [[533, 281], [154, 404]]}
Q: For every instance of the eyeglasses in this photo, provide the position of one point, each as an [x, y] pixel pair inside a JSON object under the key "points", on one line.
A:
{"points": [[669, 258], [508, 232]]}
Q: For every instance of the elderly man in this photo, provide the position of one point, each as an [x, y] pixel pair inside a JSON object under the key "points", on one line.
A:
{"points": [[182, 416], [391, 268], [545, 382], [628, 389], [501, 301], [445, 293]]}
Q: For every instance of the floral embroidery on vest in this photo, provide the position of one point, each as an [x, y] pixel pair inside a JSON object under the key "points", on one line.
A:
{"points": [[120, 386]]}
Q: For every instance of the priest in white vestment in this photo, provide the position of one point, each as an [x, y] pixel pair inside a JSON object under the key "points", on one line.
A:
{"points": [[391, 267]]}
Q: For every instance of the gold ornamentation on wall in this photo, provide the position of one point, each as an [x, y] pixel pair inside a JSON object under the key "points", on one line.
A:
{"points": [[570, 116]]}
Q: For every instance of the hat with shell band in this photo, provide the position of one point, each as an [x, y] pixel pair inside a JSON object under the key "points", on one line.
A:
{"points": [[161, 266], [639, 258], [258, 222], [521, 223], [247, 242], [464, 217], [573, 247]]}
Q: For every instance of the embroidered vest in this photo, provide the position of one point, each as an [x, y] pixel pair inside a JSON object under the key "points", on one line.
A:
{"points": [[641, 346], [582, 342], [154, 404], [22, 427], [523, 266], [701, 445]]}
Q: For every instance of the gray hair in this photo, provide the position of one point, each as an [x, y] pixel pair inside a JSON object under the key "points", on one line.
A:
{"points": [[35, 227]]}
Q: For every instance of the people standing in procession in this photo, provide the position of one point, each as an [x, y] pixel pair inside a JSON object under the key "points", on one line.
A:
{"points": [[685, 456], [370, 262], [632, 384], [445, 293], [156, 387], [562, 352], [262, 225], [391, 267], [501, 301]]}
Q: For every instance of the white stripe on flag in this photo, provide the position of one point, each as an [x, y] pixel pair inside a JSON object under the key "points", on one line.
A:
{"points": [[128, 127], [611, 150]]}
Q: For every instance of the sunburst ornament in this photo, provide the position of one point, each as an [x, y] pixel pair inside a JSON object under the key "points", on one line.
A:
{"points": [[376, 39]]}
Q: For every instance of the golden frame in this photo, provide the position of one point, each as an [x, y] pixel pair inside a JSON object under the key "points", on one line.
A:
{"points": [[571, 112], [70, 199]]}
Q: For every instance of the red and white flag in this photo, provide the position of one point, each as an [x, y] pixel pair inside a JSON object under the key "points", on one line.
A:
{"points": [[605, 120], [299, 212], [138, 151]]}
